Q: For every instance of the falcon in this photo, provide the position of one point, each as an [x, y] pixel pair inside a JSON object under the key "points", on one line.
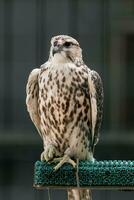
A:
{"points": [[65, 102]]}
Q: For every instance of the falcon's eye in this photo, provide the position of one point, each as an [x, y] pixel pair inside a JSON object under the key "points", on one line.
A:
{"points": [[67, 44]]}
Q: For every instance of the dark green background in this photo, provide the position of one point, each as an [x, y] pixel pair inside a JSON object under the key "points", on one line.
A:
{"points": [[105, 30]]}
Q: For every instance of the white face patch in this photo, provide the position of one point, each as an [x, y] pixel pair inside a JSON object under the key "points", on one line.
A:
{"points": [[60, 58]]}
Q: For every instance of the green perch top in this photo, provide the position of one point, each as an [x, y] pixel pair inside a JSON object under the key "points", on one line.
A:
{"points": [[112, 174]]}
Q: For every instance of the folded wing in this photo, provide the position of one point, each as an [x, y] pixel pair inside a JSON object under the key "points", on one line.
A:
{"points": [[32, 95], [96, 104]]}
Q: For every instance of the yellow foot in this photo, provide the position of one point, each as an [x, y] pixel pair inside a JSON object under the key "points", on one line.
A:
{"points": [[62, 160], [49, 153]]}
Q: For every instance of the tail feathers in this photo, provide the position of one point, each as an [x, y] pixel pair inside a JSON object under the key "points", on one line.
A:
{"points": [[79, 194]]}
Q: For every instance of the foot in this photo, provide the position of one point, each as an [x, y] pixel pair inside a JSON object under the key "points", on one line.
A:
{"points": [[49, 153], [62, 160]]}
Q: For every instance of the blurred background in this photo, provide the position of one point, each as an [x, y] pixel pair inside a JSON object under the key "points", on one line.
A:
{"points": [[105, 30]]}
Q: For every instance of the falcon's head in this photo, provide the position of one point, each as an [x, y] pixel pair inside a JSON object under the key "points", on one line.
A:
{"points": [[65, 49]]}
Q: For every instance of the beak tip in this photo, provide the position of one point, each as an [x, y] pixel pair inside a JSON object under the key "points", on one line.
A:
{"points": [[56, 50]]}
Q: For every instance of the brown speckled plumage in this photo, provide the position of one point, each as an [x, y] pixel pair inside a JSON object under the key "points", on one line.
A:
{"points": [[64, 100]]}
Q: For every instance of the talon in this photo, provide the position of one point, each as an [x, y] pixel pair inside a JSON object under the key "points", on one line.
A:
{"points": [[62, 160]]}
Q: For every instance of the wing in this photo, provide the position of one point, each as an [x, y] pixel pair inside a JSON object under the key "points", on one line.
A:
{"points": [[32, 92], [96, 99]]}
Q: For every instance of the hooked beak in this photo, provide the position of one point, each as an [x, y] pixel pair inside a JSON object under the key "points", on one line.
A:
{"points": [[57, 49]]}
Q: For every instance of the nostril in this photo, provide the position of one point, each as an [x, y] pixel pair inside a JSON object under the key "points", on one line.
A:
{"points": [[55, 43], [58, 42]]}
